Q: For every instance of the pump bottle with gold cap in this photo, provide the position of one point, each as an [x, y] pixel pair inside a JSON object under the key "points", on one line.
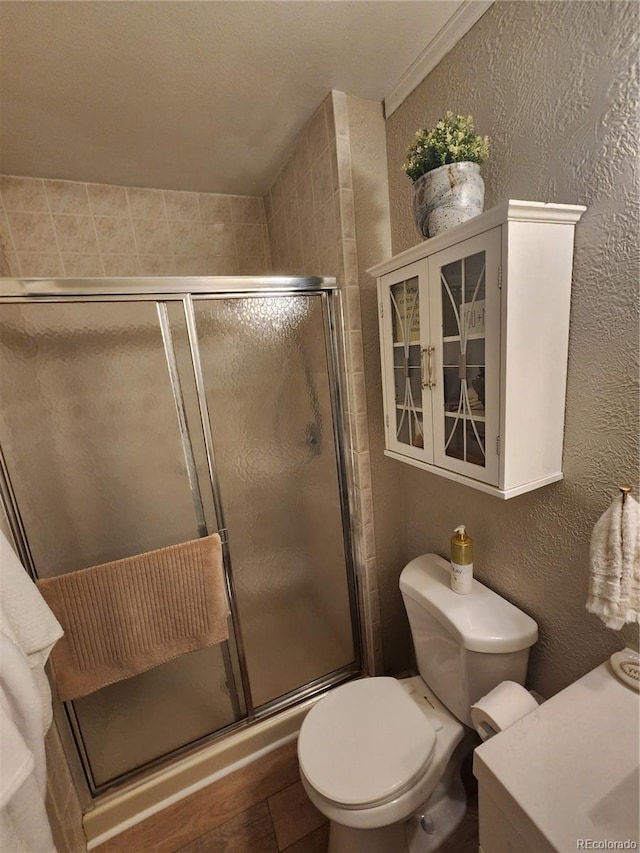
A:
{"points": [[461, 561]]}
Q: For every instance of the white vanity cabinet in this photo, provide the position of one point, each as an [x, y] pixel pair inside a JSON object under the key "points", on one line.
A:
{"points": [[474, 329]]}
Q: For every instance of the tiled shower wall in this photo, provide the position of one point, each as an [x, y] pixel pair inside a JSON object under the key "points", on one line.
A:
{"points": [[65, 228], [312, 230]]}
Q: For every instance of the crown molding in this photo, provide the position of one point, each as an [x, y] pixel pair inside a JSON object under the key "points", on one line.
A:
{"points": [[460, 23], [512, 210]]}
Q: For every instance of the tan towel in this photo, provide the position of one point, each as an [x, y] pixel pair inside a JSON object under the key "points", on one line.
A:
{"points": [[127, 616]]}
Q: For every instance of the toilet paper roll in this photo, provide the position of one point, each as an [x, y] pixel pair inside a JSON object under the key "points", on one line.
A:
{"points": [[505, 704]]}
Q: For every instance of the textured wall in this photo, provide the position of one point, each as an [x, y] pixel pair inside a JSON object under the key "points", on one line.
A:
{"points": [[554, 85], [67, 228]]}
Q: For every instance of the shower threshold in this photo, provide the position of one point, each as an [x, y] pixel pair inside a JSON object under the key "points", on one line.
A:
{"points": [[113, 813]]}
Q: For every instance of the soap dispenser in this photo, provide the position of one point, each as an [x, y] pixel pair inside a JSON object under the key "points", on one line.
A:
{"points": [[461, 561]]}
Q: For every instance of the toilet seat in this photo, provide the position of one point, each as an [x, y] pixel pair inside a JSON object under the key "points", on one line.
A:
{"points": [[365, 744]]}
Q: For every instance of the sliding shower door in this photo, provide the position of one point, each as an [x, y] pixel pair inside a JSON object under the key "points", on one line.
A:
{"points": [[266, 373], [132, 422], [93, 448]]}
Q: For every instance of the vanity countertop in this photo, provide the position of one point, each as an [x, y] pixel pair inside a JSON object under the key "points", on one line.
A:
{"points": [[570, 769]]}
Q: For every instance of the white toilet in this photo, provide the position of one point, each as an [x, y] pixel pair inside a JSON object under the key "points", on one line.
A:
{"points": [[380, 757]]}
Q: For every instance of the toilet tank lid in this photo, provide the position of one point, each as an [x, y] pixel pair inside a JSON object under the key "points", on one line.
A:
{"points": [[481, 621]]}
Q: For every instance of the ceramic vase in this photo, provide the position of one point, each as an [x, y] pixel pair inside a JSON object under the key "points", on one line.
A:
{"points": [[447, 196]]}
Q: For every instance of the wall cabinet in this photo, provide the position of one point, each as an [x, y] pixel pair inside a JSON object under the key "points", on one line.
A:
{"points": [[474, 330]]}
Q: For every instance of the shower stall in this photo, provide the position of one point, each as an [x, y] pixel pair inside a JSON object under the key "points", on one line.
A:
{"points": [[141, 413]]}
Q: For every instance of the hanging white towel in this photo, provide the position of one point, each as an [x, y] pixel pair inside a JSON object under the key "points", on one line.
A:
{"points": [[27, 620], [24, 826], [614, 584]]}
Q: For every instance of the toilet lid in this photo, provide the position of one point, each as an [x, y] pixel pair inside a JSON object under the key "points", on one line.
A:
{"points": [[365, 743]]}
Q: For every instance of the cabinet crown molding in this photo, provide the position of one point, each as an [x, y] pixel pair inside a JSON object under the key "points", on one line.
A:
{"points": [[512, 210]]}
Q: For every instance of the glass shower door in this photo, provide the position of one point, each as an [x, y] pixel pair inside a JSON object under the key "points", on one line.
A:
{"points": [[97, 463], [276, 462], [136, 419]]}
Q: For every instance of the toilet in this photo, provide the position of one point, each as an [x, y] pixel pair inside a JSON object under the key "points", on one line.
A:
{"points": [[381, 757]]}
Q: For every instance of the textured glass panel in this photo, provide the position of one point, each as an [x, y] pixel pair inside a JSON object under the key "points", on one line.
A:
{"points": [[265, 371], [89, 432], [132, 722], [463, 371], [410, 428], [93, 448], [454, 436], [405, 308], [475, 443], [405, 316], [451, 298], [452, 402]]}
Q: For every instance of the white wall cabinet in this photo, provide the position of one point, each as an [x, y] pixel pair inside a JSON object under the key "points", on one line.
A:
{"points": [[474, 331]]}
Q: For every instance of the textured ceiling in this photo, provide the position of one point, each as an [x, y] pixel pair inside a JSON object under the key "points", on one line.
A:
{"points": [[204, 96]]}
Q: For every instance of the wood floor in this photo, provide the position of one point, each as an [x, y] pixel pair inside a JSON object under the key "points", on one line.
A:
{"points": [[261, 808]]}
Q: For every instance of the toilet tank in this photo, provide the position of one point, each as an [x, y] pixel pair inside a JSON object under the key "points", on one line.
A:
{"points": [[465, 645]]}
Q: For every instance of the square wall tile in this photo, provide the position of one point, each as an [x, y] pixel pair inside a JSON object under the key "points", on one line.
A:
{"points": [[189, 238], [251, 240], [146, 204], [316, 134], [75, 233], [40, 264], [327, 224], [115, 234], [181, 205], [301, 160], [120, 265], [222, 265], [214, 208], [67, 197], [26, 194], [82, 266], [152, 237], [322, 178], [12, 267], [247, 209], [185, 265], [156, 265], [220, 239], [107, 200], [252, 266], [32, 232]]}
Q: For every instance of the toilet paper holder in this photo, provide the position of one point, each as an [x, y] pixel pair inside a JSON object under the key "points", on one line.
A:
{"points": [[501, 707]]}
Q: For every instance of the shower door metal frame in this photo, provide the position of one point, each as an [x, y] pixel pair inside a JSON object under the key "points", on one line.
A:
{"points": [[185, 290]]}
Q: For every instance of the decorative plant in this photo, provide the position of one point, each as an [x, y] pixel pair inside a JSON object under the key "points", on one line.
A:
{"points": [[452, 140]]}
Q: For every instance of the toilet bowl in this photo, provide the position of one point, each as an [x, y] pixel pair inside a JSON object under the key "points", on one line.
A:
{"points": [[381, 757], [374, 753]]}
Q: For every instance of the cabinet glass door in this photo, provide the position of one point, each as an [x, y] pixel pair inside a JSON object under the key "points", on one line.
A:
{"points": [[406, 315], [466, 305]]}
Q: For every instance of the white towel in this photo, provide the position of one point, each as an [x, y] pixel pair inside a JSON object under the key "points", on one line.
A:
{"points": [[27, 620], [614, 584], [24, 826]]}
